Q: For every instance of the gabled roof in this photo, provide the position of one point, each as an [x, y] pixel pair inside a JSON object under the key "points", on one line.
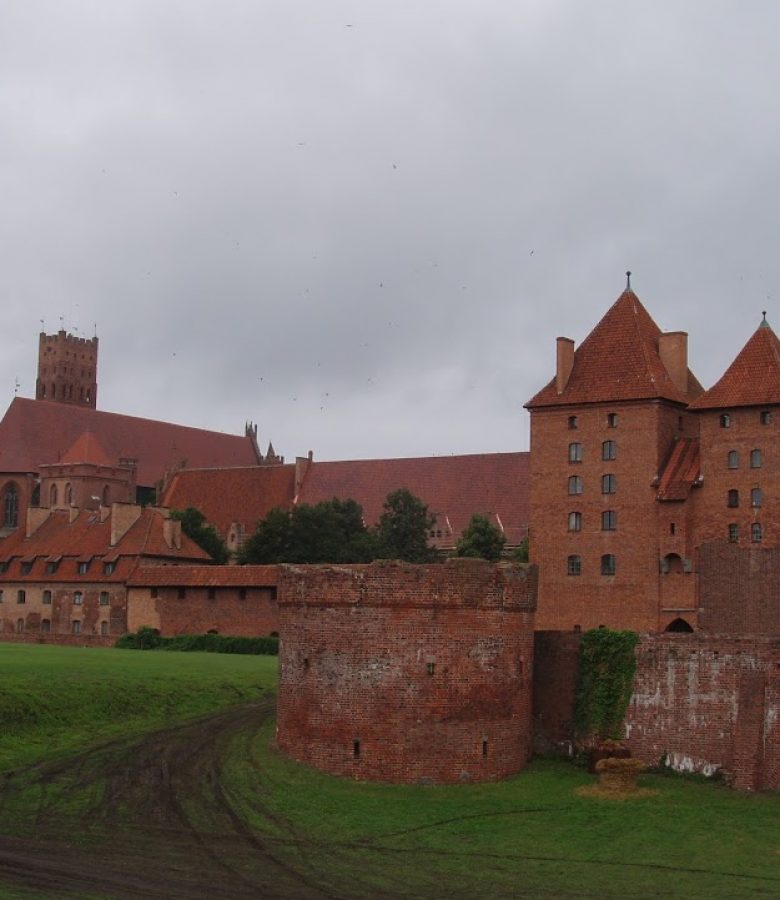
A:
{"points": [[225, 496], [204, 576], [618, 360], [87, 449], [681, 471], [453, 487], [41, 432], [753, 379]]}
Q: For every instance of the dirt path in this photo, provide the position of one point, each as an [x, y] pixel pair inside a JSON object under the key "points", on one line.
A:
{"points": [[151, 818]]}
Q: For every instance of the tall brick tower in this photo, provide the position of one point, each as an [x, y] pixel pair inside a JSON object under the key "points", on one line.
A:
{"points": [[67, 369]]}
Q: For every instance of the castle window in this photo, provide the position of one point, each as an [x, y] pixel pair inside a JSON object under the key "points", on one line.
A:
{"points": [[756, 497], [574, 565], [756, 532], [52, 566], [68, 495], [83, 567], [733, 533], [575, 453], [53, 495], [572, 422], [609, 450], [104, 628], [78, 598], [575, 484], [356, 749], [21, 596], [755, 459], [104, 598], [11, 506], [430, 668], [19, 626], [46, 598], [45, 626], [608, 484], [26, 568], [575, 521], [608, 564], [76, 626], [672, 528], [609, 520], [612, 420], [109, 568], [766, 417], [484, 749], [733, 499], [732, 460], [725, 421]]}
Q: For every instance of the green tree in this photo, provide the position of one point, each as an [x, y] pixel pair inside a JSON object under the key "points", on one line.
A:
{"points": [[520, 553], [481, 538], [403, 528], [271, 540], [195, 526]]}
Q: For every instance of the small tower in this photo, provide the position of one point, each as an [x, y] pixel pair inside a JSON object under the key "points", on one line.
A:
{"points": [[67, 369]]}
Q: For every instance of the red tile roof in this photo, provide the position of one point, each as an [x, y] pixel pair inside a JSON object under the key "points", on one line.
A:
{"points": [[617, 361], [204, 576], [681, 471], [86, 537], [753, 379], [224, 496], [87, 449], [40, 432], [453, 487]]}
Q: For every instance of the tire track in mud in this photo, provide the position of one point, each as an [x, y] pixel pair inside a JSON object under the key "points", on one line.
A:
{"points": [[150, 817]]}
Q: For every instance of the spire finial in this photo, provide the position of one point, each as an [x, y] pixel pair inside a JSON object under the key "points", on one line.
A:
{"points": [[764, 323], [628, 281]]}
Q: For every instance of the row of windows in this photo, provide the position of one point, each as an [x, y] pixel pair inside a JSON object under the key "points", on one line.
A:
{"points": [[181, 592], [75, 626], [764, 417], [608, 484], [612, 420], [756, 532], [608, 451], [732, 459], [756, 498], [52, 566], [608, 565], [608, 520], [46, 596]]}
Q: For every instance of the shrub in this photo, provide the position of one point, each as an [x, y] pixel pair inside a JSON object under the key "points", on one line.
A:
{"points": [[148, 639]]}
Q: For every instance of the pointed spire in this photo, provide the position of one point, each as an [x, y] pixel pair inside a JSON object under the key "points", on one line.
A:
{"points": [[628, 280], [764, 323]]}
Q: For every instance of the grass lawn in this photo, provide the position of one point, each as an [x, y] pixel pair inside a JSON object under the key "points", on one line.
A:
{"points": [[308, 834]]}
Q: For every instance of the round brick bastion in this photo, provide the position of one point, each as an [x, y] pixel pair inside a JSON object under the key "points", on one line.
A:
{"points": [[405, 673]]}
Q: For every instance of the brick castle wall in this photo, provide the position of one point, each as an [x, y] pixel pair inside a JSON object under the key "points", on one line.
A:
{"points": [[407, 673], [702, 703]]}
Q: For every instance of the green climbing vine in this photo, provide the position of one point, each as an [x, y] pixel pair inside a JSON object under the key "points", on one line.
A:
{"points": [[604, 683]]}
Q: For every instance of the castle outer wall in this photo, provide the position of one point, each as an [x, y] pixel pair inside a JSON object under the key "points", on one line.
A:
{"points": [[393, 672]]}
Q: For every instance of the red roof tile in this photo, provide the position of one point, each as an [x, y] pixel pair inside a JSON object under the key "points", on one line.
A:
{"points": [[453, 487], [87, 449], [681, 471], [753, 379], [617, 361], [204, 576], [225, 496], [40, 432]]}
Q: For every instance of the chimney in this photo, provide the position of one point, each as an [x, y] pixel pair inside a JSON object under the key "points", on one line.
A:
{"points": [[123, 517], [564, 362], [36, 516], [673, 350], [172, 533]]}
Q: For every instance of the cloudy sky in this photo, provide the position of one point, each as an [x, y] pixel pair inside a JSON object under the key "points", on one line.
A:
{"points": [[362, 225]]}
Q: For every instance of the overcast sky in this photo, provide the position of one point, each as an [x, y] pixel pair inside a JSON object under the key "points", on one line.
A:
{"points": [[362, 225]]}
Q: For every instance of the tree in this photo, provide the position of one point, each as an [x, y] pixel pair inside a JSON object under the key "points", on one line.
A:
{"points": [[403, 528], [331, 531], [195, 526], [481, 538]]}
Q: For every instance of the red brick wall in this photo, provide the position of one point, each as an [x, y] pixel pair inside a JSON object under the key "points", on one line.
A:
{"points": [[407, 673], [630, 598], [703, 703], [228, 612], [739, 589], [62, 612]]}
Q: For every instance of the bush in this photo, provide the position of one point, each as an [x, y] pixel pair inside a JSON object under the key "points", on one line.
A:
{"points": [[147, 638]]}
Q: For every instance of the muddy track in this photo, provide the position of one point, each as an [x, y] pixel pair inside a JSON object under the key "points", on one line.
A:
{"points": [[152, 818]]}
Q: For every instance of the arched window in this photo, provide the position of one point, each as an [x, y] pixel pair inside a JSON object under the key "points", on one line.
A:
{"points": [[608, 484], [104, 497], [572, 421], [756, 497], [68, 494], [756, 532], [575, 521], [35, 497], [575, 452], [53, 495], [46, 598], [755, 459], [104, 628], [78, 598], [574, 565], [11, 506], [612, 420], [76, 626], [609, 450], [575, 484], [732, 459], [19, 626], [733, 532], [609, 520], [732, 499], [680, 626], [608, 564]]}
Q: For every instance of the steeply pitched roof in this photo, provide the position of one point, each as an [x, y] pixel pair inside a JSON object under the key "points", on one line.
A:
{"points": [[681, 471], [453, 487], [87, 449], [40, 432], [618, 361], [225, 496], [753, 379]]}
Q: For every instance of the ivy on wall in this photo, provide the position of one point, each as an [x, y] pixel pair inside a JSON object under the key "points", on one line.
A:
{"points": [[604, 683]]}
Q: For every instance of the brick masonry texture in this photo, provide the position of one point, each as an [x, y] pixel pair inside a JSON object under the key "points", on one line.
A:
{"points": [[407, 673], [701, 703]]}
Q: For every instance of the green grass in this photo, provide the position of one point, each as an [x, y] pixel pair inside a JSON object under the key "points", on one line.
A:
{"points": [[54, 700]]}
